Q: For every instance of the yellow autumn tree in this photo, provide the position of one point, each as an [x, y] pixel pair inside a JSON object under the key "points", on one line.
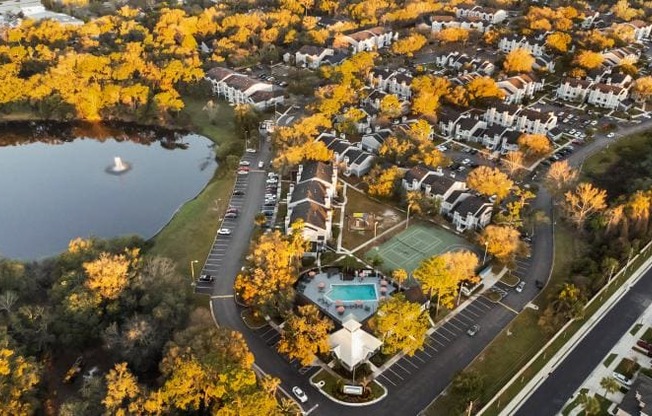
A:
{"points": [[518, 60], [453, 34], [558, 41], [401, 325], [588, 59], [109, 275], [585, 200], [642, 88], [390, 106], [489, 181], [123, 394], [383, 182], [534, 145], [502, 242], [483, 88], [409, 45], [305, 335], [560, 177], [19, 377]]}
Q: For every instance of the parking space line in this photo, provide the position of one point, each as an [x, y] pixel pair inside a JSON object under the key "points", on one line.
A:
{"points": [[395, 373], [439, 342], [467, 310], [432, 348], [472, 305], [458, 318], [386, 378], [404, 369], [266, 332], [450, 322], [448, 330], [482, 303], [410, 362], [419, 358]]}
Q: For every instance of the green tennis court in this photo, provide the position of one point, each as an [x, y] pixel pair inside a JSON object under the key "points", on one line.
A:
{"points": [[418, 242]]}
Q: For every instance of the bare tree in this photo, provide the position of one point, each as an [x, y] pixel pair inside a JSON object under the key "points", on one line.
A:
{"points": [[560, 177], [585, 200]]}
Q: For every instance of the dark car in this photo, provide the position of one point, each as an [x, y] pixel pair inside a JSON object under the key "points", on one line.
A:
{"points": [[74, 370], [205, 278], [232, 211], [236, 192], [539, 284], [231, 215], [644, 345]]}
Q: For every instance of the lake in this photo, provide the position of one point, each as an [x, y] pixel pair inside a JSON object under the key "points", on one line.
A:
{"points": [[56, 184]]}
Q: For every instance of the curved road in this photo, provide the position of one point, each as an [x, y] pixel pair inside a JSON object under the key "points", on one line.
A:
{"points": [[427, 379]]}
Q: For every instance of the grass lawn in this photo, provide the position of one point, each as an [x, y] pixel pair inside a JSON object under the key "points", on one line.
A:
{"points": [[636, 328], [572, 405], [627, 368], [605, 404], [190, 233], [647, 335], [332, 387], [505, 356], [610, 359], [510, 279], [359, 202]]}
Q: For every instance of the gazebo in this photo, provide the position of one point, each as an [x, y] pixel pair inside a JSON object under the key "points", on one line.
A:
{"points": [[352, 345]]}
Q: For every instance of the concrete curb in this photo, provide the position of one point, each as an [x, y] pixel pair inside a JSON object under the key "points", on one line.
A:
{"points": [[334, 400]]}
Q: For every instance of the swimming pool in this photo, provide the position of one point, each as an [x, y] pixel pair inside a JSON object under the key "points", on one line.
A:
{"points": [[349, 292]]}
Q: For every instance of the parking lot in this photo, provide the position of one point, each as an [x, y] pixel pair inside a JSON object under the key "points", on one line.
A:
{"points": [[271, 337], [442, 338], [229, 222]]}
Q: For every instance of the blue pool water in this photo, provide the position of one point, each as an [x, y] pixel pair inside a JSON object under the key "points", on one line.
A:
{"points": [[353, 292]]}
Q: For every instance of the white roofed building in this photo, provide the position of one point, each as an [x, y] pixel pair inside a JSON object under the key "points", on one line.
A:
{"points": [[352, 345]]}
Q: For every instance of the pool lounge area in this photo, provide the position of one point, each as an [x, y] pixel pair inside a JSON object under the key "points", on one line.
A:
{"points": [[338, 297]]}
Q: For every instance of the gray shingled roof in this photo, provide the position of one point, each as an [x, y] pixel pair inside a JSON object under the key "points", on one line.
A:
{"points": [[310, 213], [317, 170], [313, 190]]}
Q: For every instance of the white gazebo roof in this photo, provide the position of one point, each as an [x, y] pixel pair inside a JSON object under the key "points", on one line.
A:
{"points": [[351, 344]]}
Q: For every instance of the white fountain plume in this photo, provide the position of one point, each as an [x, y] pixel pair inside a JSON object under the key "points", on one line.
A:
{"points": [[119, 166]]}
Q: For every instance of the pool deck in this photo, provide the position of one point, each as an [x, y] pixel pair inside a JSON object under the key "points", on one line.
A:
{"points": [[309, 286]]}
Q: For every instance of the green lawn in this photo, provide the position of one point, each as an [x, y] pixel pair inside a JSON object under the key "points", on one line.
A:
{"points": [[635, 329], [627, 367], [190, 233], [333, 384], [647, 335], [610, 359]]}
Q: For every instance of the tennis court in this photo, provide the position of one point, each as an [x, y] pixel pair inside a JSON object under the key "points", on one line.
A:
{"points": [[418, 242]]}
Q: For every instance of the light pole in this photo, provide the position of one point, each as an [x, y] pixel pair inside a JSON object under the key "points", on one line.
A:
{"points": [[375, 228], [192, 269], [484, 258]]}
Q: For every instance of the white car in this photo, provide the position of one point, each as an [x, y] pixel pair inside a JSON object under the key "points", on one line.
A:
{"points": [[520, 287], [299, 394], [261, 164], [245, 163], [466, 161], [224, 231], [251, 150], [611, 135], [622, 379]]}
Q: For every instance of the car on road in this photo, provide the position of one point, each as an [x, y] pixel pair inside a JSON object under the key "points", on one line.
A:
{"points": [[622, 378], [251, 150], [539, 284], [520, 287], [206, 278], [611, 135], [473, 330], [261, 164], [224, 231], [299, 394], [74, 370]]}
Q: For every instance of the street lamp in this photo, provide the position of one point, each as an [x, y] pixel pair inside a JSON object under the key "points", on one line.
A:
{"points": [[407, 219], [192, 269], [486, 246], [375, 227]]}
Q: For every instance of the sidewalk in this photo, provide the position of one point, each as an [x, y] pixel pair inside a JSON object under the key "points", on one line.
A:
{"points": [[559, 357], [622, 349]]}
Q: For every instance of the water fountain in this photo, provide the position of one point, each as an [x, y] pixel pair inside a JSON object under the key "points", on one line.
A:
{"points": [[119, 166]]}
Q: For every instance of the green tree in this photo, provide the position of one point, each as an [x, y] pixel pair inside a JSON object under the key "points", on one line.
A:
{"points": [[610, 385]]}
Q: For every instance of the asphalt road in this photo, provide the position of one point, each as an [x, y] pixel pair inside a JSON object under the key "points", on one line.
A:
{"points": [[551, 395], [414, 381]]}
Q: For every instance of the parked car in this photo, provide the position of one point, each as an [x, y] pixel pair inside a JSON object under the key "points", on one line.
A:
{"points": [[231, 215], [644, 345], [299, 394], [473, 330], [520, 287], [245, 163], [622, 379], [251, 150], [224, 231], [243, 172], [238, 192], [206, 278], [261, 164], [539, 284], [611, 135], [466, 161], [74, 370]]}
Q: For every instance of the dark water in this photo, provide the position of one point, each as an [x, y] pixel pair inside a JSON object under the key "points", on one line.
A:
{"points": [[54, 185]]}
